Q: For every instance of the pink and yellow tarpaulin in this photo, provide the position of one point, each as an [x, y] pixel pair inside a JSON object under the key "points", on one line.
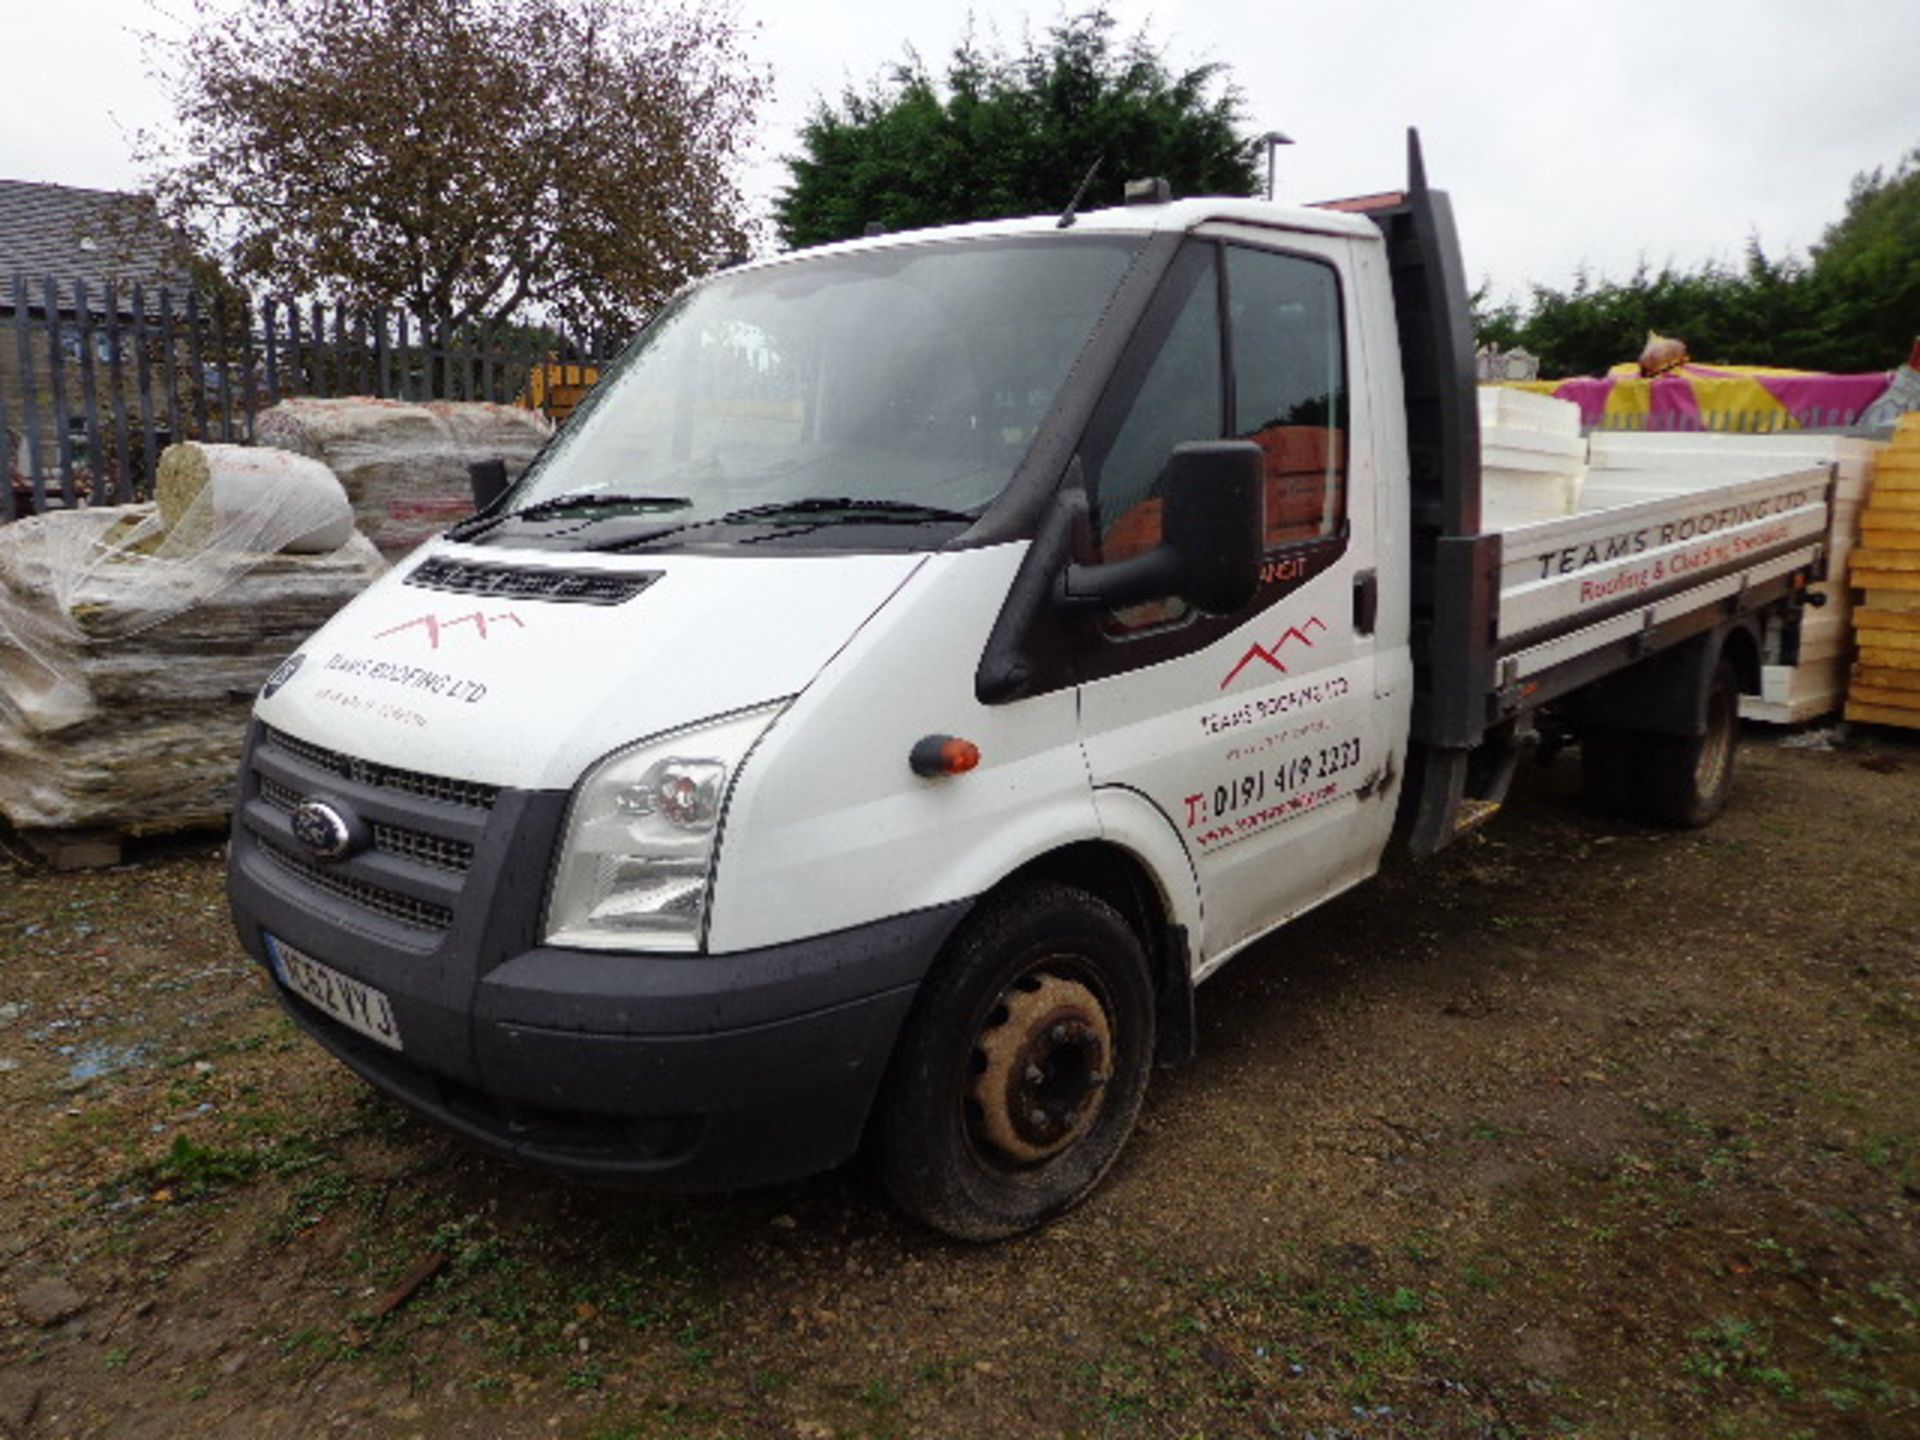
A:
{"points": [[1716, 397]]}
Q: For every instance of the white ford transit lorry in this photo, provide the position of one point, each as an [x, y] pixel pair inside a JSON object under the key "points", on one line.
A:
{"points": [[922, 661]]}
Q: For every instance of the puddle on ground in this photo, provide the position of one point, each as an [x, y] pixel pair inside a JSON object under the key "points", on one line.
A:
{"points": [[91, 1062]]}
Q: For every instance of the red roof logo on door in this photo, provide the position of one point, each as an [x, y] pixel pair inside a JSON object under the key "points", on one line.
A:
{"points": [[1270, 655], [436, 625]]}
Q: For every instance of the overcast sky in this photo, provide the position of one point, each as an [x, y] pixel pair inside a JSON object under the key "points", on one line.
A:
{"points": [[1569, 135]]}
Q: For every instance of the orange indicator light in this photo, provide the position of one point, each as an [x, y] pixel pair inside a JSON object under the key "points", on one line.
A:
{"points": [[934, 755]]}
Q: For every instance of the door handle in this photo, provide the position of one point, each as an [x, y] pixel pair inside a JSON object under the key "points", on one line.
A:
{"points": [[1366, 601]]}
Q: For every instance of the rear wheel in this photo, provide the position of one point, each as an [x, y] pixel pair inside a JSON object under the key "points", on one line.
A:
{"points": [[1022, 1069], [1686, 778]]}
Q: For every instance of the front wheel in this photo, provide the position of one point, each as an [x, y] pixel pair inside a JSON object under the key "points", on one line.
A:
{"points": [[1022, 1068]]}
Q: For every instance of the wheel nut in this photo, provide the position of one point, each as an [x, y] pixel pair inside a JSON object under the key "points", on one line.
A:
{"points": [[1037, 1118], [1060, 1034], [1035, 1074]]}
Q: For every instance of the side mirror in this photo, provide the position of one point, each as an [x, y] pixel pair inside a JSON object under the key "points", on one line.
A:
{"points": [[1211, 533], [1214, 521], [489, 481]]}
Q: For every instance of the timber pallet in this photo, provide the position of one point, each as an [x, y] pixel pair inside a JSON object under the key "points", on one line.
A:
{"points": [[66, 850]]}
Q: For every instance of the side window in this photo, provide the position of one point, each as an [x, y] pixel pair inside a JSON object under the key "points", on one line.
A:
{"points": [[1289, 387], [1177, 399]]}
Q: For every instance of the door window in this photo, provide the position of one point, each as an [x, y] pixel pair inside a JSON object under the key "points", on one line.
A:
{"points": [[1178, 399], [1289, 387], [1287, 393]]}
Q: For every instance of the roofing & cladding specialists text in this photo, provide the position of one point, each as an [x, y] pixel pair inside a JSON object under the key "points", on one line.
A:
{"points": [[1676, 532]]}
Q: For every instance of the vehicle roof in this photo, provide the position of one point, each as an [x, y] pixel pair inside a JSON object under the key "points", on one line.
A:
{"points": [[1178, 216]]}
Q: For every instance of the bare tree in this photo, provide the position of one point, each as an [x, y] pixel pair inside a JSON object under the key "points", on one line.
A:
{"points": [[463, 158]]}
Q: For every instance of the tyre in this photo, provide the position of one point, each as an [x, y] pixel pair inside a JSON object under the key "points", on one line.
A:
{"points": [[1610, 771], [1685, 778], [1022, 1068]]}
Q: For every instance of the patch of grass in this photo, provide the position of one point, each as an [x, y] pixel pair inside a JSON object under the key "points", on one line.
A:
{"points": [[1375, 1332], [313, 1202], [1731, 1348], [191, 1170]]}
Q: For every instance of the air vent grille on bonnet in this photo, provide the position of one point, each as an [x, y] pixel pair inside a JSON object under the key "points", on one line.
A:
{"points": [[507, 582]]}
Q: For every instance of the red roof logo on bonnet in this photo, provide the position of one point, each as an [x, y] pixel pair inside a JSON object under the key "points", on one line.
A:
{"points": [[434, 625]]}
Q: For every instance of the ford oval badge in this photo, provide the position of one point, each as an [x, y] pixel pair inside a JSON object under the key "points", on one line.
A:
{"points": [[323, 830]]}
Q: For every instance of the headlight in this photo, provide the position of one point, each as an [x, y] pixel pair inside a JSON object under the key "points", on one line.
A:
{"points": [[637, 862]]}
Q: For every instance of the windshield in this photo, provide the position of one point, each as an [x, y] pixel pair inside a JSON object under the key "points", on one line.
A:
{"points": [[884, 388]]}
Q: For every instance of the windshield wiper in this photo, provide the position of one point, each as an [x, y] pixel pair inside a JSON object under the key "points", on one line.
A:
{"points": [[476, 525], [850, 509], [810, 512]]}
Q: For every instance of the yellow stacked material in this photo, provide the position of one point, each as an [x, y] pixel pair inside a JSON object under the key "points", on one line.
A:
{"points": [[557, 387], [1885, 687]]}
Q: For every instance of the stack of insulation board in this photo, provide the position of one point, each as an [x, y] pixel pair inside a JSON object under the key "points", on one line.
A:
{"points": [[1886, 567], [1816, 683], [1533, 458]]}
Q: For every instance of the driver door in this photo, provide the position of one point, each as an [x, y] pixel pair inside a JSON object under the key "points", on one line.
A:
{"points": [[1254, 734]]}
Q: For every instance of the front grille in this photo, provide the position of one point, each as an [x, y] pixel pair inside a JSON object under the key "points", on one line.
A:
{"points": [[434, 850], [386, 777], [510, 582], [404, 908]]}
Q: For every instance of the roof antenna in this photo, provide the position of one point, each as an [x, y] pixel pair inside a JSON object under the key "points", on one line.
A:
{"points": [[1066, 215]]}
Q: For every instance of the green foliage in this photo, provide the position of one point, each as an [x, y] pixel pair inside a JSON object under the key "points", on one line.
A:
{"points": [[1868, 266], [1855, 306], [1765, 313], [1014, 134], [463, 158]]}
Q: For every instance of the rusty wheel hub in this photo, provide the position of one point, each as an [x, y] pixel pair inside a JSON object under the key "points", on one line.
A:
{"points": [[1040, 1068]]}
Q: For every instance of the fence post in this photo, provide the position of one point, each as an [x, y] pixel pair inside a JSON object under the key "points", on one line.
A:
{"points": [[297, 385], [29, 420], [9, 452], [268, 307], [167, 367], [57, 387], [196, 355], [89, 395], [249, 393], [143, 366], [117, 378], [400, 384], [220, 360], [381, 355], [339, 348], [318, 317]]}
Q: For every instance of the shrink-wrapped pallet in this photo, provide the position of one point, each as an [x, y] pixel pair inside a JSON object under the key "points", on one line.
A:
{"points": [[404, 466], [131, 646]]}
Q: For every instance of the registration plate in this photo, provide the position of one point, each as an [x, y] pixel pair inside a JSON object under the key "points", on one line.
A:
{"points": [[354, 1004]]}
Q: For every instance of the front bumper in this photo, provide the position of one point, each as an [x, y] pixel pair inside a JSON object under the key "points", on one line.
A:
{"points": [[676, 1072]]}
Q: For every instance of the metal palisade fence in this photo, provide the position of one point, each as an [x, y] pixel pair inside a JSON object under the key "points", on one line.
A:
{"points": [[96, 381]]}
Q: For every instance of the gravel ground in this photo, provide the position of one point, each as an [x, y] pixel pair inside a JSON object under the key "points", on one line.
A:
{"points": [[1579, 1129]]}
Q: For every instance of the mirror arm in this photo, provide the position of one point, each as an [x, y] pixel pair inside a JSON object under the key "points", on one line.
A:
{"points": [[1151, 575]]}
